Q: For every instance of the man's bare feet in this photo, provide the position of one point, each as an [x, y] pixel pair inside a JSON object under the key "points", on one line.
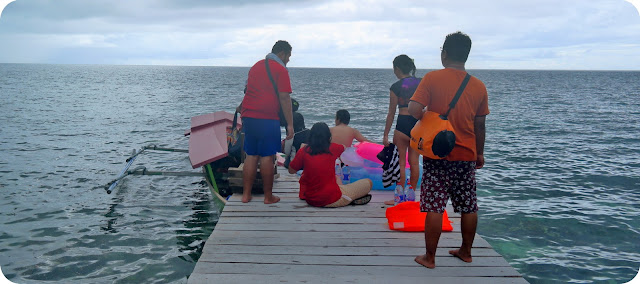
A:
{"points": [[425, 261], [246, 199], [273, 199], [463, 256], [389, 202]]}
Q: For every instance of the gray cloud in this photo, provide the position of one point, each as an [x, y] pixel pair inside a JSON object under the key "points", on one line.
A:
{"points": [[366, 33]]}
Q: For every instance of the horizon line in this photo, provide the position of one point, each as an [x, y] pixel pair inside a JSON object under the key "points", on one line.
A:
{"points": [[312, 67]]}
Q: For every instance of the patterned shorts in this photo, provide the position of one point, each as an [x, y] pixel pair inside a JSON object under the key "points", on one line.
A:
{"points": [[442, 179]]}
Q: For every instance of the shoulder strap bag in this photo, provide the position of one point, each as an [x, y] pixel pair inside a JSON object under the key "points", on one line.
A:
{"points": [[433, 135], [235, 142], [283, 120]]}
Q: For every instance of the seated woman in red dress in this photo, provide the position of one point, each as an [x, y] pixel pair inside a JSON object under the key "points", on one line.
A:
{"points": [[318, 183]]}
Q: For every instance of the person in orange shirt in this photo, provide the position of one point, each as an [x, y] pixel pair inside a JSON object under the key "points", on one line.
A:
{"points": [[454, 176]]}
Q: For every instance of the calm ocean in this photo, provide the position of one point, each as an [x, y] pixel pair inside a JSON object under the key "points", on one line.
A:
{"points": [[558, 196]]}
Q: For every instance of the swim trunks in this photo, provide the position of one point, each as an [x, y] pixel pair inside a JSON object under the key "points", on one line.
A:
{"points": [[405, 123], [261, 136], [442, 179]]}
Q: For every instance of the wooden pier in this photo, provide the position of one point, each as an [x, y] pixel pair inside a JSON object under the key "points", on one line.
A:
{"points": [[291, 242]]}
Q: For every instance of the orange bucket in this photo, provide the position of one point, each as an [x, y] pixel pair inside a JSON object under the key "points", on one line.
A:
{"points": [[406, 216]]}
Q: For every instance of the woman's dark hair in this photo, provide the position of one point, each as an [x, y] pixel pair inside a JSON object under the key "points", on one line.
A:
{"points": [[405, 64], [319, 139], [298, 121]]}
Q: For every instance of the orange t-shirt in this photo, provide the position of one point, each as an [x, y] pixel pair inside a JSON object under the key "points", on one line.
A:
{"points": [[437, 89]]}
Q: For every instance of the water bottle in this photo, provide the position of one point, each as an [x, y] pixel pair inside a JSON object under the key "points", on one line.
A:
{"points": [[409, 194], [338, 170], [346, 175], [398, 195]]}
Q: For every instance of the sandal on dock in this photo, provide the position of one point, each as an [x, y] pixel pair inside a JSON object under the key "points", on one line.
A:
{"points": [[362, 200]]}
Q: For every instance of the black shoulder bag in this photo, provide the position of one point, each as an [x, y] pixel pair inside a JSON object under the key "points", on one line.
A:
{"points": [[283, 120], [234, 143]]}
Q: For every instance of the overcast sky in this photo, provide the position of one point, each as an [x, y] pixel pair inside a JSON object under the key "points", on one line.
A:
{"points": [[506, 34]]}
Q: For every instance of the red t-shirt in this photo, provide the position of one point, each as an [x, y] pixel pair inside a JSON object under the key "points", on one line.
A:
{"points": [[260, 100], [318, 184]]}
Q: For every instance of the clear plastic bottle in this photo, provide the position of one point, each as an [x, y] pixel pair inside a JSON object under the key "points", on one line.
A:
{"points": [[398, 196], [338, 170], [346, 175], [409, 194]]}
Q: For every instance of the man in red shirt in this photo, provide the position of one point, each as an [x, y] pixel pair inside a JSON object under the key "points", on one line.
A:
{"points": [[260, 120], [454, 176]]}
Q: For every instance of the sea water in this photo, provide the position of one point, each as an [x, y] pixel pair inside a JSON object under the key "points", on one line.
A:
{"points": [[558, 194]]}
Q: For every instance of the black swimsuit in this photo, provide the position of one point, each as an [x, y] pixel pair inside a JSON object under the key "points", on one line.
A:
{"points": [[404, 89], [405, 123]]}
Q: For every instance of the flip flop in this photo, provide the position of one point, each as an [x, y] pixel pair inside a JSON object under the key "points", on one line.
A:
{"points": [[362, 200]]}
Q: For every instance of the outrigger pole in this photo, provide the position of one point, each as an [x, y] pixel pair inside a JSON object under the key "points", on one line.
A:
{"points": [[122, 174], [142, 170], [207, 172]]}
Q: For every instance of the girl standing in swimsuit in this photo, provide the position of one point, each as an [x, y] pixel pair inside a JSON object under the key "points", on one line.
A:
{"points": [[399, 96]]}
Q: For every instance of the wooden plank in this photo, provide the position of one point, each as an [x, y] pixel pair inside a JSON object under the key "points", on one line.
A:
{"points": [[293, 242], [387, 261], [323, 213], [308, 218], [291, 195], [367, 271], [302, 220], [335, 242], [238, 181], [362, 250], [391, 235], [318, 213], [236, 172], [256, 205], [305, 211], [234, 205], [329, 278], [310, 227]]}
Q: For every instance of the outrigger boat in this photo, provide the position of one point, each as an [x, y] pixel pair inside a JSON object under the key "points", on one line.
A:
{"points": [[207, 150]]}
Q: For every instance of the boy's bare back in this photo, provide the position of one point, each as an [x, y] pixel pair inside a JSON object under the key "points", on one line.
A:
{"points": [[344, 134]]}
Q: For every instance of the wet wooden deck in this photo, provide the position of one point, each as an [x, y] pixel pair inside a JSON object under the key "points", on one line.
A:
{"points": [[291, 242]]}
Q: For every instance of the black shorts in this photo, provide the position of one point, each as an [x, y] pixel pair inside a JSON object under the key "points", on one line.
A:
{"points": [[405, 123]]}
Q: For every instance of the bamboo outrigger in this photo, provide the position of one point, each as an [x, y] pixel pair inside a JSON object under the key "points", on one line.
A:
{"points": [[207, 150]]}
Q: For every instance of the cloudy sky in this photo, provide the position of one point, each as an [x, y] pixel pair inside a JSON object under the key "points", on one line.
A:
{"points": [[506, 34]]}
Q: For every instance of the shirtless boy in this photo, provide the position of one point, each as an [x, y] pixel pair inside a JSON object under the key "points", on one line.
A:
{"points": [[342, 133]]}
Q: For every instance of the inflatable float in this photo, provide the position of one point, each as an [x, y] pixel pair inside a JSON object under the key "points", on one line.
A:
{"points": [[363, 163]]}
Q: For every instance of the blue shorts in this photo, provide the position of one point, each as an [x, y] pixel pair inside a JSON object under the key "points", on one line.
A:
{"points": [[261, 136]]}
